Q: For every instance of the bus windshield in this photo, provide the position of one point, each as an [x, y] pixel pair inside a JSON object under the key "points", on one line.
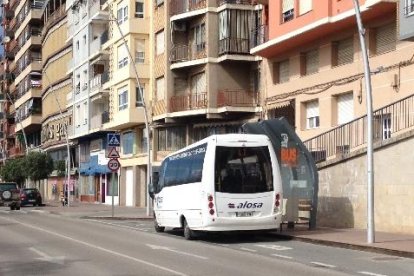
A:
{"points": [[243, 170]]}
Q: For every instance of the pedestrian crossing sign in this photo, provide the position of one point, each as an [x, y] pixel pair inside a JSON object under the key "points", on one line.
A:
{"points": [[114, 140]]}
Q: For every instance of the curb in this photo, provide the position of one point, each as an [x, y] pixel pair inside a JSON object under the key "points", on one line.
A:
{"points": [[360, 247], [116, 218]]}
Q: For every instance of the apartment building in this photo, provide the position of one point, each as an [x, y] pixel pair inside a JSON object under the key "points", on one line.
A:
{"points": [[21, 82], [87, 101], [203, 78], [126, 112], [313, 66], [56, 85]]}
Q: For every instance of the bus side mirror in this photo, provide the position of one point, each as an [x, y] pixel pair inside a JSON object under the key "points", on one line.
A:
{"points": [[153, 187]]}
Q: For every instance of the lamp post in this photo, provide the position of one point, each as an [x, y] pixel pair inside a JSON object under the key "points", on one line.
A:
{"points": [[370, 153], [144, 106], [66, 137]]}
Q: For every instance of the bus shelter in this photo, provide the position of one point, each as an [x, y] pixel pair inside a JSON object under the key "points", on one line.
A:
{"points": [[298, 170]]}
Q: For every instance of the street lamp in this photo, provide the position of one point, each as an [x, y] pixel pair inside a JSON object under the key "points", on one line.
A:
{"points": [[370, 154], [66, 137], [149, 167]]}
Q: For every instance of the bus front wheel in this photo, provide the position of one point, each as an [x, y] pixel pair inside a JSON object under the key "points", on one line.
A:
{"points": [[188, 233], [158, 228]]}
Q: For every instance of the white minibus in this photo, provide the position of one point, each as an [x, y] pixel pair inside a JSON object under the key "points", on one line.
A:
{"points": [[222, 183]]}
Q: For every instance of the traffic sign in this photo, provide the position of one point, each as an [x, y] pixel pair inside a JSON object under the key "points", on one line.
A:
{"points": [[113, 164], [114, 139], [113, 153]]}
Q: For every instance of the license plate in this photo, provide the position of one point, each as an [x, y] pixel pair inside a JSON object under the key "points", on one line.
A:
{"points": [[244, 214], [32, 200]]}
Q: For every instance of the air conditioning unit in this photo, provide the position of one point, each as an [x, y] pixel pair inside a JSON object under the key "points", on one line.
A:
{"points": [[179, 26]]}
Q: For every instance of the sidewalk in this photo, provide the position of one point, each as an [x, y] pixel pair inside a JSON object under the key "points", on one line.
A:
{"points": [[386, 243]]}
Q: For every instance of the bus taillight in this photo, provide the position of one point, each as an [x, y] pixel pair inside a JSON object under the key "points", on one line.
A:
{"points": [[277, 203], [211, 204]]}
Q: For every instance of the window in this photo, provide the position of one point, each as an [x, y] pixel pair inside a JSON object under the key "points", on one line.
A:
{"points": [[127, 142], [234, 31], [84, 40], [159, 47], [139, 51], [345, 108], [122, 14], [159, 89], [305, 6], [122, 56], [385, 39], [123, 98], [138, 98], [200, 37], [171, 139], [198, 83], [310, 62], [343, 52], [281, 71], [312, 114], [85, 113], [139, 9], [78, 115], [77, 45], [409, 7], [288, 10]]}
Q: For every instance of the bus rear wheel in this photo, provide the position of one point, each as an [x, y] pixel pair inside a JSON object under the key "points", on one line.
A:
{"points": [[188, 233]]}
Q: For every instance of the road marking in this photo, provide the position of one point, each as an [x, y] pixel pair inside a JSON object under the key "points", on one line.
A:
{"points": [[370, 273], [282, 256], [274, 247], [323, 264], [44, 257], [158, 247], [100, 248], [247, 249]]}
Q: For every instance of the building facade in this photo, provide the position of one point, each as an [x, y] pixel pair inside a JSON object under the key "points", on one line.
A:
{"points": [[87, 32], [204, 80], [56, 85]]}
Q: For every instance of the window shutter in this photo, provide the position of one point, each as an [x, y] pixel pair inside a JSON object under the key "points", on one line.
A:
{"points": [[312, 109], [284, 71], [345, 51], [312, 62], [304, 6], [345, 108], [160, 89], [385, 38], [288, 5]]}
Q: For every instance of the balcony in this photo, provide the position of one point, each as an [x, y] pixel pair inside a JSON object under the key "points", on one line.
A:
{"points": [[182, 53], [95, 10], [98, 120], [34, 12], [184, 6], [237, 98], [30, 64], [188, 102], [33, 119], [235, 2], [32, 38], [52, 19], [235, 46], [125, 118], [97, 82], [96, 45], [15, 152]]}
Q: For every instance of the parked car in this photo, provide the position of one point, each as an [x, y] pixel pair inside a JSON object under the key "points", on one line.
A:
{"points": [[9, 195], [30, 196]]}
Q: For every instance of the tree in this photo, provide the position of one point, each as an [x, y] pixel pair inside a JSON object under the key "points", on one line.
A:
{"points": [[60, 167], [39, 165], [14, 171]]}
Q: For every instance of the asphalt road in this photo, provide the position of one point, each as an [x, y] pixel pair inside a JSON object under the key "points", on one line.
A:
{"points": [[35, 243]]}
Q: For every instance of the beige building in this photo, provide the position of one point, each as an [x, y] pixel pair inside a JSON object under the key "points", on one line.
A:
{"points": [[203, 78], [126, 114], [56, 54]]}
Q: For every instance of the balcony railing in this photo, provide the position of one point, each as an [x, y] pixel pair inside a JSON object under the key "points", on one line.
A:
{"points": [[15, 151], [105, 117], [259, 36], [237, 98], [97, 82], [234, 46], [238, 2], [95, 6], [188, 102], [54, 17], [180, 53], [183, 6], [340, 141]]}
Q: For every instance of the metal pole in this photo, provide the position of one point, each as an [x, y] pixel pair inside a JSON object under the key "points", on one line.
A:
{"points": [[66, 137], [113, 192], [20, 122], [149, 167], [370, 155]]}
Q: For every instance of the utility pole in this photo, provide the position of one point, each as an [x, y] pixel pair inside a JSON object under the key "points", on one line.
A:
{"points": [[370, 153]]}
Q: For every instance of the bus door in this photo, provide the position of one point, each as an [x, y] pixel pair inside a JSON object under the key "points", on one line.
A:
{"points": [[297, 167]]}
